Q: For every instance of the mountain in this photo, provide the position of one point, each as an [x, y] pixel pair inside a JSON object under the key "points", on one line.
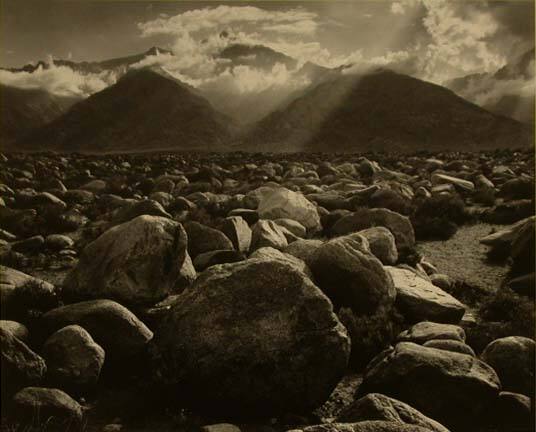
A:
{"points": [[509, 91], [249, 107], [24, 109], [120, 64], [383, 110], [146, 110], [258, 56]]}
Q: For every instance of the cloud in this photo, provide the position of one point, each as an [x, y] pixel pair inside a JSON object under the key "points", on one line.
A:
{"points": [[305, 27], [397, 8], [210, 18], [59, 80]]}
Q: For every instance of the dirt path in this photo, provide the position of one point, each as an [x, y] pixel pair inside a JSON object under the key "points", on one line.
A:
{"points": [[464, 258]]}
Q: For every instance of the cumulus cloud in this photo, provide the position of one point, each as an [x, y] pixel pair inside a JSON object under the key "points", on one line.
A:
{"points": [[59, 80], [397, 8]]}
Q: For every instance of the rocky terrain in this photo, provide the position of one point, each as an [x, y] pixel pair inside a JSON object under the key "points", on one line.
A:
{"points": [[264, 292]]}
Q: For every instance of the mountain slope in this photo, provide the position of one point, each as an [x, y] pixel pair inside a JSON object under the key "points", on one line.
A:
{"points": [[24, 109], [383, 110], [508, 92], [145, 110]]}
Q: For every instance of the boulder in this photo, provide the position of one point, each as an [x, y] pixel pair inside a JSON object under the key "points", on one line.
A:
{"points": [[29, 245], [271, 254], [452, 388], [16, 329], [450, 345], [426, 331], [351, 276], [267, 233], [419, 300], [205, 239], [284, 203], [293, 226], [513, 412], [512, 358], [117, 330], [238, 231], [20, 293], [382, 244], [376, 406], [524, 285], [74, 360], [37, 405], [58, 242], [303, 249], [460, 184], [249, 215], [503, 239], [138, 208], [208, 259], [257, 337], [136, 263], [20, 365], [399, 225]]}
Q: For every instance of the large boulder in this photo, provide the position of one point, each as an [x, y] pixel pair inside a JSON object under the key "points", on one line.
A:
{"points": [[16, 329], [450, 345], [254, 337], [138, 208], [73, 359], [238, 231], [362, 219], [420, 300], [514, 412], [513, 359], [138, 262], [35, 405], [351, 276], [382, 244], [20, 365], [117, 330], [303, 249], [267, 233], [203, 239], [284, 203], [20, 293], [425, 331], [271, 254], [460, 184], [376, 406], [455, 389]]}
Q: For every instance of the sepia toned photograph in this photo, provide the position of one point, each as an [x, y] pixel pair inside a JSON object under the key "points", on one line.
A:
{"points": [[267, 216]]}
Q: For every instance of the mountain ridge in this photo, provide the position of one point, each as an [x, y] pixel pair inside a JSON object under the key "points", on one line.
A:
{"points": [[145, 110]]}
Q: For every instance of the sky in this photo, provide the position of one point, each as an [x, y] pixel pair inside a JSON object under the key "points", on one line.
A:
{"points": [[436, 40]]}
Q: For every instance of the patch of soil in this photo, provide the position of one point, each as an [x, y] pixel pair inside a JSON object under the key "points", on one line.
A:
{"points": [[463, 258]]}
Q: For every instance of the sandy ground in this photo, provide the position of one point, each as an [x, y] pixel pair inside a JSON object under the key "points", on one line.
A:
{"points": [[463, 258]]}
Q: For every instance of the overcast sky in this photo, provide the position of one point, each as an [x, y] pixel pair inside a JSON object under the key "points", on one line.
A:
{"points": [[434, 39]]}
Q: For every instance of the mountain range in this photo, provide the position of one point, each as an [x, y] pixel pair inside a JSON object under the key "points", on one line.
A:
{"points": [[148, 109]]}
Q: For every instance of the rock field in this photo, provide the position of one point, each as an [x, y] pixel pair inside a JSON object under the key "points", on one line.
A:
{"points": [[267, 292]]}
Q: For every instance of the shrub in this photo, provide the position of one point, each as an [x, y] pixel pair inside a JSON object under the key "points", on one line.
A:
{"points": [[438, 217], [370, 334], [502, 314], [470, 295]]}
